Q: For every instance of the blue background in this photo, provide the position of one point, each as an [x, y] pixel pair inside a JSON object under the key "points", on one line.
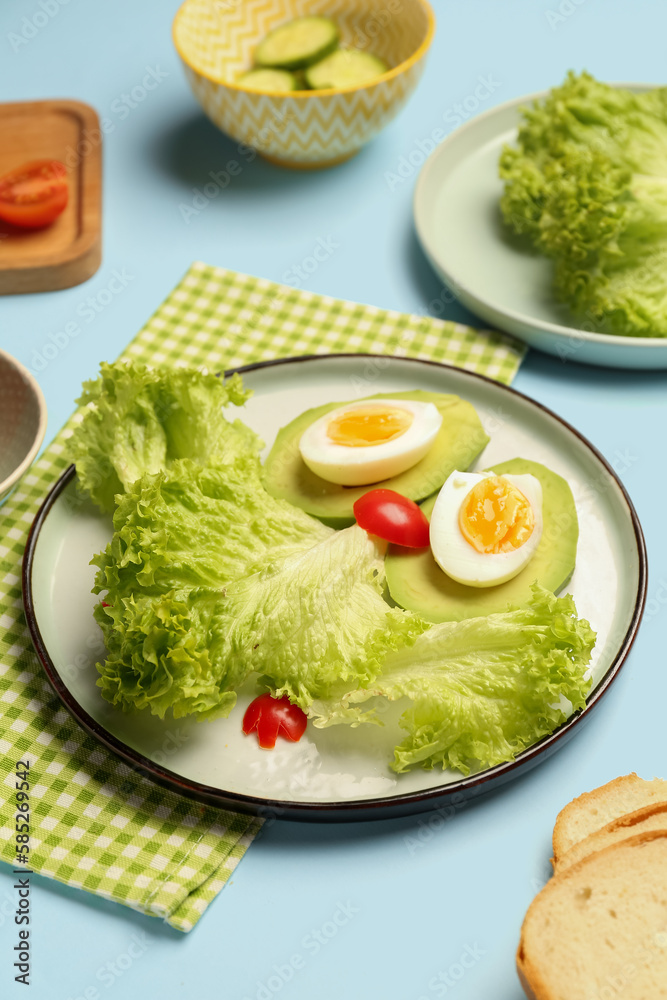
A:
{"points": [[421, 896]]}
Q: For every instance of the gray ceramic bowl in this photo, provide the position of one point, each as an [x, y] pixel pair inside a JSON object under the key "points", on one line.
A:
{"points": [[22, 421]]}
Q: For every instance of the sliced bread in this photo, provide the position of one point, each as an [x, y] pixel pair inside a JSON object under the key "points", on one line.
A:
{"points": [[599, 929], [630, 825], [590, 812]]}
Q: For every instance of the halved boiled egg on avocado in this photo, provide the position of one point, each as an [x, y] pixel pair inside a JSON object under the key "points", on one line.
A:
{"points": [[485, 528], [363, 443], [417, 582], [456, 444]]}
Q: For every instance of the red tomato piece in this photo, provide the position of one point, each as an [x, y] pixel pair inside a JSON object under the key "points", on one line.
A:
{"points": [[273, 717], [33, 195], [393, 517]]}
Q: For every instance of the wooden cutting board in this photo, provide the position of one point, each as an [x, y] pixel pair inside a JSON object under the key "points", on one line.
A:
{"points": [[70, 250]]}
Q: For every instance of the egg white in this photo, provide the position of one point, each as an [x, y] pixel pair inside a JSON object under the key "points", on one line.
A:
{"points": [[456, 556], [362, 466]]}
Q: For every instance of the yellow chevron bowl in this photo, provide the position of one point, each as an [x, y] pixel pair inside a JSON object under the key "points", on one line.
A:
{"points": [[307, 128]]}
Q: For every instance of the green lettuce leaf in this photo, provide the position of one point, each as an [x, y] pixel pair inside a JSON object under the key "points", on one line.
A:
{"points": [[317, 625], [607, 230], [180, 537], [484, 689], [168, 652], [587, 183], [198, 526], [208, 579], [139, 420], [583, 116]]}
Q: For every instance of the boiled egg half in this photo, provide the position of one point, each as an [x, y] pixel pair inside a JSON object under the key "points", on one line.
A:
{"points": [[485, 528], [369, 441]]}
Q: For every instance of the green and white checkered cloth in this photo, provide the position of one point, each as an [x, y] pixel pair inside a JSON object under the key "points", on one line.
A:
{"points": [[95, 823]]}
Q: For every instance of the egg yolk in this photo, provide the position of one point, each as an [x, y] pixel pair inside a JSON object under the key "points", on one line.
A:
{"points": [[496, 516], [368, 425]]}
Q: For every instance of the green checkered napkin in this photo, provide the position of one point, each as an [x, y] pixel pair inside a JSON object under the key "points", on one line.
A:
{"points": [[95, 823]]}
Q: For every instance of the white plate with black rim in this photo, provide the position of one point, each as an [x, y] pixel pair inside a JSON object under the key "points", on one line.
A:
{"points": [[495, 275], [338, 773]]}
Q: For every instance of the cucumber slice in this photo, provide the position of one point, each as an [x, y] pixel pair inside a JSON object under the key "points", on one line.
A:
{"points": [[269, 79], [345, 68], [298, 44]]}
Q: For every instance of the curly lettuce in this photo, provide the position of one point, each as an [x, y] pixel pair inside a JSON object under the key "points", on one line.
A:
{"points": [[484, 689], [198, 526], [587, 184], [139, 420], [205, 582], [317, 625], [610, 247], [168, 652]]}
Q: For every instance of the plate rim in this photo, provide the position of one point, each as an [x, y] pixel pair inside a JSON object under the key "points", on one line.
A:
{"points": [[355, 809], [421, 225]]}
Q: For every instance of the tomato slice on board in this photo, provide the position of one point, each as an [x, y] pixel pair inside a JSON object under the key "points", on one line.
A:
{"points": [[273, 717], [392, 516], [34, 194]]}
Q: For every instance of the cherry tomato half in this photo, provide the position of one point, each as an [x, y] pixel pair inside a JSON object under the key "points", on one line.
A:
{"points": [[393, 517], [34, 194], [273, 717]]}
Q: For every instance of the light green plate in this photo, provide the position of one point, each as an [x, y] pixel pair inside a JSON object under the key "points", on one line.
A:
{"points": [[338, 772], [457, 214]]}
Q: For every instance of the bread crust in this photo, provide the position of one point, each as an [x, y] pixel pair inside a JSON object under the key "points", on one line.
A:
{"points": [[561, 835], [627, 821], [532, 982], [523, 973]]}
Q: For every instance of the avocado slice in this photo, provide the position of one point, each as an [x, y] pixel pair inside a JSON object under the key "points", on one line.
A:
{"points": [[460, 440], [417, 583]]}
